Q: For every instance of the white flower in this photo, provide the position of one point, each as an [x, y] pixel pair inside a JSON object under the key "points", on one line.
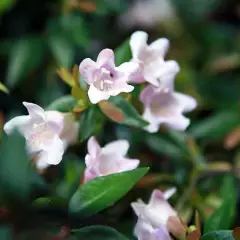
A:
{"points": [[156, 70], [47, 133], [164, 106], [104, 78], [153, 217], [107, 160]]}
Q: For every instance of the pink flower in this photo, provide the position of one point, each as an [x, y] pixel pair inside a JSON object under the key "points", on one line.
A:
{"points": [[104, 78], [107, 160], [153, 217], [165, 106], [47, 133], [156, 70]]}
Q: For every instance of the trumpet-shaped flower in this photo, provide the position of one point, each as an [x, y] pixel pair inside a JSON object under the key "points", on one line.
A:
{"points": [[47, 133], [156, 70], [153, 217], [107, 160], [164, 106], [104, 78]]}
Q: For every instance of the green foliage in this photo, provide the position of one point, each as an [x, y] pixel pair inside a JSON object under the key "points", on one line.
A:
{"points": [[22, 60], [218, 235], [6, 232], [131, 116], [63, 104], [15, 168], [98, 232], [123, 53], [103, 192], [223, 217]]}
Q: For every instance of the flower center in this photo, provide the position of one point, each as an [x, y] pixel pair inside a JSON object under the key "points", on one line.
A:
{"points": [[104, 80]]}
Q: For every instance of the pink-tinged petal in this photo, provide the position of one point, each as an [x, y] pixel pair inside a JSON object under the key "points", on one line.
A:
{"points": [[96, 95], [87, 69], [166, 73], [52, 154], [88, 175], [132, 70], [153, 121], [129, 164], [138, 43], [120, 87], [147, 94], [55, 121], [169, 193], [93, 146], [179, 123], [35, 112], [119, 147], [160, 46], [106, 58], [139, 207], [144, 230], [162, 233], [21, 123], [108, 164], [188, 103]]}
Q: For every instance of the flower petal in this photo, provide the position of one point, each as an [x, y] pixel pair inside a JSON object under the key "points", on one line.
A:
{"points": [[35, 112], [161, 233], [153, 121], [21, 123], [139, 207], [96, 96], [144, 230], [119, 147], [169, 193], [147, 94], [129, 164], [41, 164], [106, 58], [93, 146], [87, 68], [55, 121], [178, 123], [160, 46], [52, 154], [138, 43], [132, 70], [120, 87], [188, 103]]}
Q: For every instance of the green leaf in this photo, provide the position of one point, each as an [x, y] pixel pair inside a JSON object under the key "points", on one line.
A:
{"points": [[131, 116], [218, 235], [3, 88], [63, 104], [98, 232], [216, 126], [25, 56], [6, 4], [123, 53], [62, 50], [103, 192], [5, 233], [223, 217], [90, 122], [15, 168]]}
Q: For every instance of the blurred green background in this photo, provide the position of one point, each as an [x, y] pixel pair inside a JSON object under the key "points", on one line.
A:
{"points": [[38, 37]]}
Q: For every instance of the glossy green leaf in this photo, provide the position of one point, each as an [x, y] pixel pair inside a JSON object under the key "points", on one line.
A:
{"points": [[103, 192], [15, 168], [91, 121], [223, 217], [131, 116], [216, 126], [218, 235], [123, 53], [63, 104], [98, 232], [25, 56], [6, 232]]}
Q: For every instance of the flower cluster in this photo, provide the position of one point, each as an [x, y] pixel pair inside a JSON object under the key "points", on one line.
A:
{"points": [[49, 133]]}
